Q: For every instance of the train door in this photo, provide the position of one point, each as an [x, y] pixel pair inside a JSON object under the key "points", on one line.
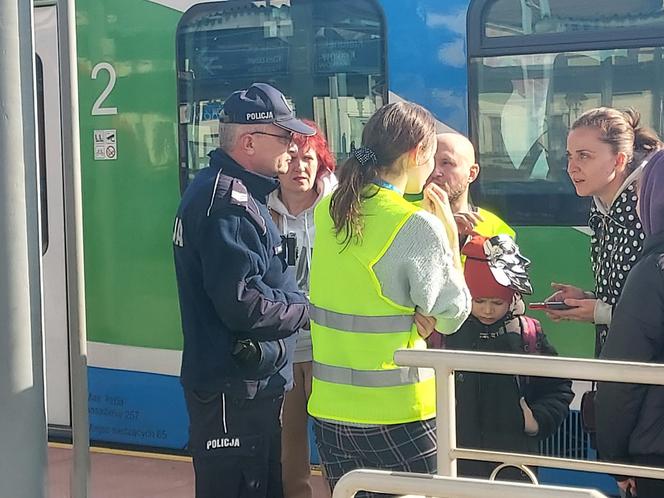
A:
{"points": [[52, 218]]}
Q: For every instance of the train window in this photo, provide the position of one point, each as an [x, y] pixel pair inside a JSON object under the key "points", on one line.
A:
{"points": [[515, 17], [534, 67], [328, 58], [522, 107], [41, 157]]}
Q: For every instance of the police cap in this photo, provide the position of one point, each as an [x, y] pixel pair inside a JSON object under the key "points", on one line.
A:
{"points": [[262, 104]]}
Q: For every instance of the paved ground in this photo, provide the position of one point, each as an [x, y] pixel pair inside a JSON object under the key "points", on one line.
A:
{"points": [[130, 475]]}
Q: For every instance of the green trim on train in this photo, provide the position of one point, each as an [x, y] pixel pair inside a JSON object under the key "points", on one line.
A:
{"points": [[129, 202], [561, 254]]}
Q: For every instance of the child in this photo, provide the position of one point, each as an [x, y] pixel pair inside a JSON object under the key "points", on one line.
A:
{"points": [[503, 412]]}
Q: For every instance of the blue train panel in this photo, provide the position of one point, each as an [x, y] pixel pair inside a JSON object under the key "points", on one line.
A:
{"points": [[136, 408], [142, 409], [426, 48]]}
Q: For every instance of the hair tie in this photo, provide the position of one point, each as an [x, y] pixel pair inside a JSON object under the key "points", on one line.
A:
{"points": [[365, 156]]}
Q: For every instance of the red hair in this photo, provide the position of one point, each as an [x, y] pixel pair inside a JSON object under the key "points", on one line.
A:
{"points": [[318, 144]]}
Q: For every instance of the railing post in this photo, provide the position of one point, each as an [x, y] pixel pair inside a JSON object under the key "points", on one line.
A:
{"points": [[446, 422], [381, 481], [446, 363], [73, 204], [23, 455]]}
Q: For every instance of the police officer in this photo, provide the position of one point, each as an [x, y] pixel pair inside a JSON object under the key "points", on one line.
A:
{"points": [[239, 305]]}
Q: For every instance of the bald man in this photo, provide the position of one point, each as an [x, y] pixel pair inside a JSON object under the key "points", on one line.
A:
{"points": [[456, 168]]}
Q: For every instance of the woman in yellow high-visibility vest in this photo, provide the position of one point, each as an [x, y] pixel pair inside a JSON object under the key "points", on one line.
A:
{"points": [[384, 274]]}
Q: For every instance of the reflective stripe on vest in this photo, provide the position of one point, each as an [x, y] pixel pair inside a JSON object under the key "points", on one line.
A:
{"points": [[371, 378], [361, 323]]}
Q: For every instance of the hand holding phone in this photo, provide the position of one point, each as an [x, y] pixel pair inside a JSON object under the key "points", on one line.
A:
{"points": [[627, 488], [550, 305], [580, 310]]}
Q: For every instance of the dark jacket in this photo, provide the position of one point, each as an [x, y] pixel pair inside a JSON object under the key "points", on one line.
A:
{"points": [[489, 415], [630, 417], [233, 284]]}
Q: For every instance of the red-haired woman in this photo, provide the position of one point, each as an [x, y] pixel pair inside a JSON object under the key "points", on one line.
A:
{"points": [[309, 178]]}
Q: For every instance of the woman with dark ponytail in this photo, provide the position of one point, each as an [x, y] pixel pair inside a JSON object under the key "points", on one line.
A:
{"points": [[384, 275], [606, 150]]}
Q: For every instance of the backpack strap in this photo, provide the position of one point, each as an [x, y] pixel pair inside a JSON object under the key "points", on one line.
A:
{"points": [[436, 341], [531, 331]]}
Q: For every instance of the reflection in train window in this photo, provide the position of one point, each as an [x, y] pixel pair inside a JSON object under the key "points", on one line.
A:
{"points": [[516, 17], [41, 156], [328, 58], [522, 109]]}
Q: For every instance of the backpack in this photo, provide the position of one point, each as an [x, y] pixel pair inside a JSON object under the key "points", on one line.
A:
{"points": [[531, 335], [531, 342]]}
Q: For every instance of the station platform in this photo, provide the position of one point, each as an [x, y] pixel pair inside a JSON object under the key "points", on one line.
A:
{"points": [[129, 474]]}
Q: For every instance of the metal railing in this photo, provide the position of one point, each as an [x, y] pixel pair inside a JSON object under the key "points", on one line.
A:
{"points": [[445, 363], [380, 481]]}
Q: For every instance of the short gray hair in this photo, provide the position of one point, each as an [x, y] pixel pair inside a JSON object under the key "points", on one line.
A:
{"points": [[230, 132]]}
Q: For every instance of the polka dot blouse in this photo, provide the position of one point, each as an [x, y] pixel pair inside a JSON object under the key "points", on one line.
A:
{"points": [[616, 243]]}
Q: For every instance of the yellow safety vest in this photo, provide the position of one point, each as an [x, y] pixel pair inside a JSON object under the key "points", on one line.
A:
{"points": [[492, 225], [355, 329]]}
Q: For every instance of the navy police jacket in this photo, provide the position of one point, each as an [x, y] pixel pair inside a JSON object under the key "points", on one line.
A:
{"points": [[233, 283]]}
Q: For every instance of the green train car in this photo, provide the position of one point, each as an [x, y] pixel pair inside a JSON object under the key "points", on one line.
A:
{"points": [[153, 75]]}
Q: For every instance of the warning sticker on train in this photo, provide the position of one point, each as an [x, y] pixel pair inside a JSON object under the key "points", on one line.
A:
{"points": [[105, 144]]}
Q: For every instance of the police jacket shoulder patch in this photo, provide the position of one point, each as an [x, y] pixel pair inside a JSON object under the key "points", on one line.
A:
{"points": [[231, 191], [240, 197]]}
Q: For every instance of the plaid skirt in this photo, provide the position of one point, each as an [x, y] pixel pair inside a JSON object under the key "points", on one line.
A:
{"points": [[409, 447]]}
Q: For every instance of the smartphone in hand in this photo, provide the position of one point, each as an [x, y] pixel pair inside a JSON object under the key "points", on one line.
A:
{"points": [[550, 305]]}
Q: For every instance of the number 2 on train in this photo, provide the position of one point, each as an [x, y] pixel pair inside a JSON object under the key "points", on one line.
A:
{"points": [[97, 108]]}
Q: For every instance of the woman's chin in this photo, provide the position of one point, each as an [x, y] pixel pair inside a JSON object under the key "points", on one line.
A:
{"points": [[581, 191], [295, 188]]}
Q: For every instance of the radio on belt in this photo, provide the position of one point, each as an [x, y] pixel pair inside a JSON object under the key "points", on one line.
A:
{"points": [[289, 248]]}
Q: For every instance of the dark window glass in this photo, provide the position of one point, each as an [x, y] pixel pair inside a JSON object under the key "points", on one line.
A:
{"points": [[327, 57], [522, 109], [41, 156], [518, 17]]}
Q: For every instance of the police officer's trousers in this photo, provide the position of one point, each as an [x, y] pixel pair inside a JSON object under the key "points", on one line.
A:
{"points": [[236, 445]]}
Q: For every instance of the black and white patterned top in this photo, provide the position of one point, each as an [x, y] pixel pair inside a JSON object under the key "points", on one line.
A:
{"points": [[616, 243]]}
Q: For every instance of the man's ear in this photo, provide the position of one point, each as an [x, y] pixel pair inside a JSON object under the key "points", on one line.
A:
{"points": [[247, 144], [474, 172]]}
